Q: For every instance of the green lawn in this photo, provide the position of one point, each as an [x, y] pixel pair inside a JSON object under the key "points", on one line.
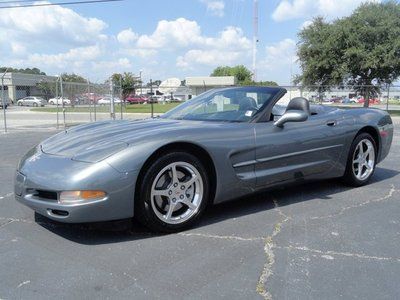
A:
{"points": [[394, 113], [130, 108]]}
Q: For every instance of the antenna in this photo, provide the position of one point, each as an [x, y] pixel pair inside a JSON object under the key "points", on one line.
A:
{"points": [[255, 39]]}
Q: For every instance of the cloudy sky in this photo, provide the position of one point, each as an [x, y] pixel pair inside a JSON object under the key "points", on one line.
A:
{"points": [[173, 38]]}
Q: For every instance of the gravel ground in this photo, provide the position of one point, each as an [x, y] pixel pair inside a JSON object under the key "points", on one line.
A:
{"points": [[321, 240]]}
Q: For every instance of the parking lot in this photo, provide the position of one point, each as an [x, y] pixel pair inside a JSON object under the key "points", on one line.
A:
{"points": [[321, 240]]}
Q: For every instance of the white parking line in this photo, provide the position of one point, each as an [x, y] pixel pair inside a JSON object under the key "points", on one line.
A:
{"points": [[6, 195]]}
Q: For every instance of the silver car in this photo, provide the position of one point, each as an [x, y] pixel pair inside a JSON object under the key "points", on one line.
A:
{"points": [[224, 144], [31, 101]]}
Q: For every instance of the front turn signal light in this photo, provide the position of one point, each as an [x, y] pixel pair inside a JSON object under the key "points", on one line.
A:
{"points": [[67, 197]]}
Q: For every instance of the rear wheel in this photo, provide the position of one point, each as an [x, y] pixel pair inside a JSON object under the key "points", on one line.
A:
{"points": [[361, 161], [173, 194]]}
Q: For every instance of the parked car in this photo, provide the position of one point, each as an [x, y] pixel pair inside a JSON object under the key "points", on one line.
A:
{"points": [[172, 99], [59, 101], [107, 101], [165, 172], [349, 100], [327, 101], [336, 100], [31, 101], [89, 98], [134, 99], [371, 101]]}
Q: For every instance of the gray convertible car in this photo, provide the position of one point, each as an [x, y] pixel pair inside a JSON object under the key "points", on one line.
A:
{"points": [[223, 144]]}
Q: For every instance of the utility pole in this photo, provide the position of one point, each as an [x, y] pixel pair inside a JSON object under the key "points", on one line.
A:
{"points": [[62, 101], [58, 119], [4, 100], [112, 111], [151, 100], [255, 38], [141, 83], [120, 95]]}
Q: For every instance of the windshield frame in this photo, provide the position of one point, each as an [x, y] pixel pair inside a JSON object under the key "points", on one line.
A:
{"points": [[259, 115]]}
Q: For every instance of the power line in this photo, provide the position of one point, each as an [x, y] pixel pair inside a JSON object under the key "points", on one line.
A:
{"points": [[51, 4]]}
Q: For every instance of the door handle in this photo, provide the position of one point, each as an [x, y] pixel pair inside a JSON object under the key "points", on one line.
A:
{"points": [[331, 123]]}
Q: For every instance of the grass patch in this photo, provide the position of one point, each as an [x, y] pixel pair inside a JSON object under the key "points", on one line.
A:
{"points": [[394, 113], [130, 108]]}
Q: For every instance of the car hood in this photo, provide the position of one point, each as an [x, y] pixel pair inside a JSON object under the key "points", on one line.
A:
{"points": [[96, 141]]}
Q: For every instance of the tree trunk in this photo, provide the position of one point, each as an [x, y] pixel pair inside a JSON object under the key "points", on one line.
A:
{"points": [[366, 98]]}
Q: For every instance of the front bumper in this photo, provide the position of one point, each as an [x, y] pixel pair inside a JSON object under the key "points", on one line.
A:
{"points": [[42, 174]]}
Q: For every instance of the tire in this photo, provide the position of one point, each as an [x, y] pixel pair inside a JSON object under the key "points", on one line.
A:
{"points": [[180, 199], [51, 103], [354, 176], [19, 103], [35, 104]]}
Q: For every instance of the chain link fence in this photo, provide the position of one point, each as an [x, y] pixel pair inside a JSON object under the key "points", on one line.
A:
{"points": [[48, 101]]}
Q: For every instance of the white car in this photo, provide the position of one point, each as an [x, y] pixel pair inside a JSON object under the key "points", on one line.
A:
{"points": [[31, 101], [107, 101], [59, 101]]}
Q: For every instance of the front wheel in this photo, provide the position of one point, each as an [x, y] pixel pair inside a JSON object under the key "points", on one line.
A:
{"points": [[35, 104], [173, 194], [361, 161]]}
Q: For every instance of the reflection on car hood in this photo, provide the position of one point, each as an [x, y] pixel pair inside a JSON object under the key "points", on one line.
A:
{"points": [[101, 139]]}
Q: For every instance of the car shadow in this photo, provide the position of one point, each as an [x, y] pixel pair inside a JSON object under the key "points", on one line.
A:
{"points": [[130, 230]]}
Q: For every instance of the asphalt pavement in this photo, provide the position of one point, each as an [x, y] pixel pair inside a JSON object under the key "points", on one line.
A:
{"points": [[321, 240]]}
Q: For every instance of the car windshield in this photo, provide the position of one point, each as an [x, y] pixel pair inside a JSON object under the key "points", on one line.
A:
{"points": [[237, 104]]}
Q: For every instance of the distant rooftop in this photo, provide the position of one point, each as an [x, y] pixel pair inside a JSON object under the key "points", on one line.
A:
{"points": [[211, 81]]}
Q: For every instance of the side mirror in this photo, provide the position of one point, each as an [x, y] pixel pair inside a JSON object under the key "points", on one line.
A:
{"points": [[291, 116]]}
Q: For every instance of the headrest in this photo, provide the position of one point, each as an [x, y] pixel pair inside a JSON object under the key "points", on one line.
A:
{"points": [[247, 103]]}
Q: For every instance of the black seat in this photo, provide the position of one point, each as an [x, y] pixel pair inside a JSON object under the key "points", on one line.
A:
{"points": [[299, 103]]}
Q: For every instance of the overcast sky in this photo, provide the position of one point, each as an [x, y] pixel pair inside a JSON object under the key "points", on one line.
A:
{"points": [[173, 38]]}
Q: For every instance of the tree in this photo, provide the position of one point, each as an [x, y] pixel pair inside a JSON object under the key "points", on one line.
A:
{"points": [[241, 73], [128, 82], [73, 78], [34, 71], [361, 51], [48, 89]]}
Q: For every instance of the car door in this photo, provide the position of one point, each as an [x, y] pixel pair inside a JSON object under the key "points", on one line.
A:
{"points": [[30, 101], [296, 151]]}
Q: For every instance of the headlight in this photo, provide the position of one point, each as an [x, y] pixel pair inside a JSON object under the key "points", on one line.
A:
{"points": [[69, 197]]}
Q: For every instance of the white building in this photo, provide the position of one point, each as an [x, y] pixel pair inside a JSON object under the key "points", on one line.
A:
{"points": [[200, 85]]}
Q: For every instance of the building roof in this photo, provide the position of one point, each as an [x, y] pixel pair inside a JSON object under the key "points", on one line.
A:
{"points": [[26, 79], [211, 81]]}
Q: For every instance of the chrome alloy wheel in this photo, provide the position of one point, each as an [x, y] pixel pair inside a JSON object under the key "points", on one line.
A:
{"points": [[363, 159], [177, 192]]}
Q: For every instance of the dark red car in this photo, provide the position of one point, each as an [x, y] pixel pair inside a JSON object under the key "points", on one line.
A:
{"points": [[135, 99], [371, 101]]}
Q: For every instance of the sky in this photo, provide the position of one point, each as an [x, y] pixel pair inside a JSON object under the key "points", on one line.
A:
{"points": [[170, 38]]}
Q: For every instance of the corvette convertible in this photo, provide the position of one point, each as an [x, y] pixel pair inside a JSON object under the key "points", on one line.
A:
{"points": [[223, 144]]}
